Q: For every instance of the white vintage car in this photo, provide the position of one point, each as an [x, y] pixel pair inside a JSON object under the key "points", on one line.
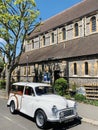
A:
{"points": [[37, 100]]}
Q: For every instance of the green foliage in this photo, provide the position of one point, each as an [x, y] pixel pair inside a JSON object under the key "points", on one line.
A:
{"points": [[16, 17], [82, 98], [17, 20], [60, 86], [21, 1], [92, 102], [2, 84], [79, 97], [67, 96]]}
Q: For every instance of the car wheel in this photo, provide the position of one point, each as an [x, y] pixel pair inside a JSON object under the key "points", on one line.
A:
{"points": [[41, 119], [12, 107]]}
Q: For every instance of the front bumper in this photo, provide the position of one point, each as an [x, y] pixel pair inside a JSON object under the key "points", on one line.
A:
{"points": [[65, 115]]}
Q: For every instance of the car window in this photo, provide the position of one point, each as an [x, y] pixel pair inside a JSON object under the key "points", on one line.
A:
{"points": [[29, 91], [40, 90], [17, 89]]}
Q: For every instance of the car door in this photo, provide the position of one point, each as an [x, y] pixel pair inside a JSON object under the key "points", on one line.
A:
{"points": [[28, 100]]}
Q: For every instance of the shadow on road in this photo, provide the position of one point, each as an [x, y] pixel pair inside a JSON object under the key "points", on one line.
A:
{"points": [[57, 126], [65, 126]]}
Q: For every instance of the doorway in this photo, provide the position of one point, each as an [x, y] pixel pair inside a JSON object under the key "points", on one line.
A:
{"points": [[56, 75]]}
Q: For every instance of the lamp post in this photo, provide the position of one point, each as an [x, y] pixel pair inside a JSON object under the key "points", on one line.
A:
{"points": [[27, 67]]}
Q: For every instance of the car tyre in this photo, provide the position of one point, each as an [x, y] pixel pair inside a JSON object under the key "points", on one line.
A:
{"points": [[12, 107], [41, 119]]}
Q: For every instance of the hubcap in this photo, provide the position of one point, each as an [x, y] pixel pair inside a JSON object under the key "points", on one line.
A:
{"points": [[40, 119]]}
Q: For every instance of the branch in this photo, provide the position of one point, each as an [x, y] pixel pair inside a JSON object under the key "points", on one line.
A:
{"points": [[3, 51], [14, 11]]}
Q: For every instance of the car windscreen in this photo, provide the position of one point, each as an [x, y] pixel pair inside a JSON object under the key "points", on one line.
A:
{"points": [[40, 90]]}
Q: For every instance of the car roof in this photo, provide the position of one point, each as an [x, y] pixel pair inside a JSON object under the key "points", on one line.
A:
{"points": [[31, 84]]}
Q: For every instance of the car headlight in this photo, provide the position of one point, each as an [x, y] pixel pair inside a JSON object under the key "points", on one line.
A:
{"points": [[54, 109]]}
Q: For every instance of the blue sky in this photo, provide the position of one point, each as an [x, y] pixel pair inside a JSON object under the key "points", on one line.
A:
{"points": [[49, 8]]}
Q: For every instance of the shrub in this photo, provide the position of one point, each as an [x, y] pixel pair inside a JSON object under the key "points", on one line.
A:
{"points": [[79, 97], [60, 86], [73, 89], [67, 96]]}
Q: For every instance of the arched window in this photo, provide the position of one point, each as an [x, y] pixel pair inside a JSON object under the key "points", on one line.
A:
{"points": [[63, 33], [24, 70], [29, 70], [86, 68], [76, 29], [52, 37], [32, 44], [75, 68], [44, 41], [93, 24]]}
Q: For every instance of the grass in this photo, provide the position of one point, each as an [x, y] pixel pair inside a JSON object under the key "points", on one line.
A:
{"points": [[83, 99]]}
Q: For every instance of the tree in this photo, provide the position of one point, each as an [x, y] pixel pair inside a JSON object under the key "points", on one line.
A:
{"points": [[17, 19]]}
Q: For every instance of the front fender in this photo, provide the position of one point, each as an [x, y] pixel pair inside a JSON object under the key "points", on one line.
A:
{"points": [[47, 110]]}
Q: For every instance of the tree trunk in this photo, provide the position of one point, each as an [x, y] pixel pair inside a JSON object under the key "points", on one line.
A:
{"points": [[8, 78]]}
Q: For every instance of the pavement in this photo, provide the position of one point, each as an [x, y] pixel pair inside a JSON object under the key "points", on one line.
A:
{"points": [[88, 113]]}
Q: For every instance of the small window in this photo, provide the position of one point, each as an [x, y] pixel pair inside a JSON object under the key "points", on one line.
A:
{"points": [[75, 68], [32, 44], [29, 72], [63, 33], [44, 40], [93, 24], [52, 37], [76, 29], [24, 70], [86, 68]]}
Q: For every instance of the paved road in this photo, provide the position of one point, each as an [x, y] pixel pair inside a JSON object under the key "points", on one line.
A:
{"points": [[21, 122]]}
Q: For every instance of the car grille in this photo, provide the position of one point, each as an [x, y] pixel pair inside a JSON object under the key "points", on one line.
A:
{"points": [[66, 114]]}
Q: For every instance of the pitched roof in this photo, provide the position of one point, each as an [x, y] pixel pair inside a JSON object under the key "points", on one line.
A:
{"points": [[84, 46], [79, 10]]}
